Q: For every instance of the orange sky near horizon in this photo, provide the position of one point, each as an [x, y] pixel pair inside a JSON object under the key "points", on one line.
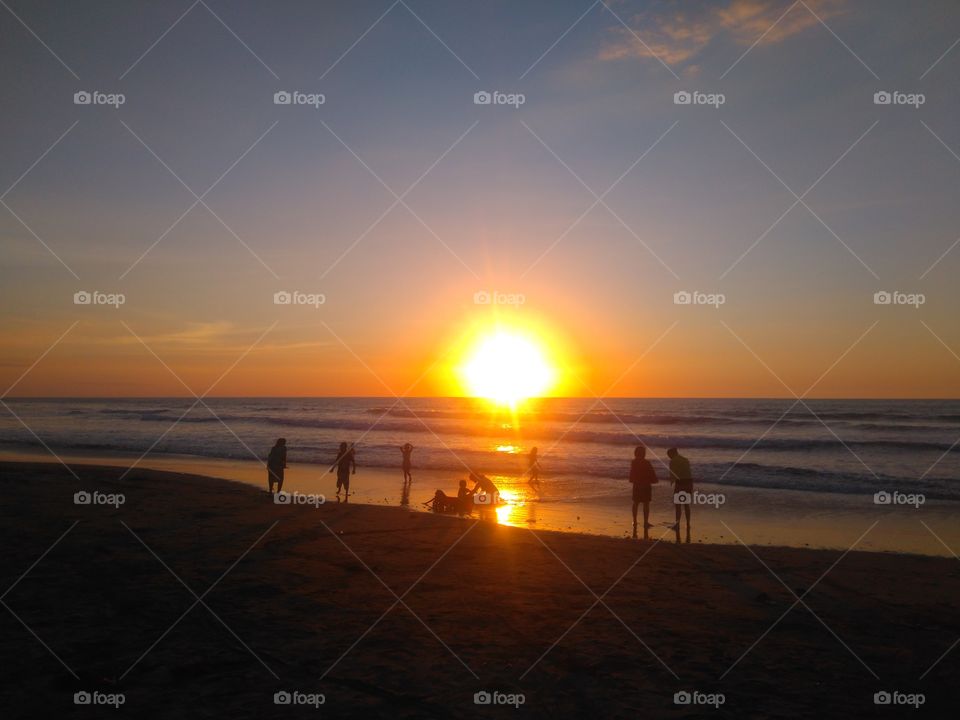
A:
{"points": [[679, 357]]}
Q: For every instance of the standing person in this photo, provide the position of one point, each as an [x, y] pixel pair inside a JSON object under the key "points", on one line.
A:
{"points": [[533, 471], [682, 487], [276, 464], [643, 477], [406, 465], [344, 464]]}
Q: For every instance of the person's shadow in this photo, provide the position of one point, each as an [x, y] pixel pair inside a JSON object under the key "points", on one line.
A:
{"points": [[405, 494]]}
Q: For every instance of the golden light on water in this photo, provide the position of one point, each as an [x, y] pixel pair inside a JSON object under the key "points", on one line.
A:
{"points": [[505, 512]]}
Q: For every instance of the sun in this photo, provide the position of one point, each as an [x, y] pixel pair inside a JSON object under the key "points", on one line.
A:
{"points": [[507, 367]]}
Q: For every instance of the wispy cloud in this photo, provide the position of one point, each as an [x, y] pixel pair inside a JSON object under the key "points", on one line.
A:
{"points": [[678, 35], [217, 338]]}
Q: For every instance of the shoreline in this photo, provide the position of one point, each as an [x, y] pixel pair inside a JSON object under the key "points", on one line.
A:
{"points": [[752, 516], [305, 599]]}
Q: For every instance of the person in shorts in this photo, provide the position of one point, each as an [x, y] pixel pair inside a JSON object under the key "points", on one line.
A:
{"points": [[682, 488], [345, 465], [642, 477]]}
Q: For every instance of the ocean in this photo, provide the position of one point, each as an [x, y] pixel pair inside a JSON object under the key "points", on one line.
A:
{"points": [[585, 446]]}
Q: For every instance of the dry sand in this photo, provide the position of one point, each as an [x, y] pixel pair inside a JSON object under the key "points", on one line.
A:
{"points": [[294, 598]]}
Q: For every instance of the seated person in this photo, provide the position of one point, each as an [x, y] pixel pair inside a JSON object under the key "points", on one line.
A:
{"points": [[464, 498], [444, 503]]}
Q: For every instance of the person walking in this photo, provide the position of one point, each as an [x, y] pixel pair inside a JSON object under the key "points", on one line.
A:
{"points": [[533, 470]]}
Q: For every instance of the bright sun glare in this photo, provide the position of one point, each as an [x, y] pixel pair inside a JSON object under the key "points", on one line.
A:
{"points": [[507, 367]]}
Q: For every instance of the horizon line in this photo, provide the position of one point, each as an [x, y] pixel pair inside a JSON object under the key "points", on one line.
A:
{"points": [[468, 397]]}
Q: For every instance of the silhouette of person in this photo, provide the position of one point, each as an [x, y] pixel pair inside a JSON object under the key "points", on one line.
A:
{"points": [[345, 462], [406, 465], [276, 463], [464, 499], [643, 477], [533, 471], [682, 488], [484, 484]]}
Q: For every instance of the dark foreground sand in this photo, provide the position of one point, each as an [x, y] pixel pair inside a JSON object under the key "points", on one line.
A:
{"points": [[299, 610]]}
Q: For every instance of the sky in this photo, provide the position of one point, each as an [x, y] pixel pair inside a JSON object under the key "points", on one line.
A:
{"points": [[782, 199]]}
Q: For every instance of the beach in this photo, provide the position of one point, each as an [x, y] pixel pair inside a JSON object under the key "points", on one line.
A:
{"points": [[769, 474], [754, 516], [418, 359], [200, 597]]}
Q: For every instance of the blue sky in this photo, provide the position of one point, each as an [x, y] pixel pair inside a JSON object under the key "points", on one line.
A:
{"points": [[699, 210]]}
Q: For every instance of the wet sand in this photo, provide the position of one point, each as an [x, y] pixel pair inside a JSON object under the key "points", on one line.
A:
{"points": [[303, 598], [755, 516]]}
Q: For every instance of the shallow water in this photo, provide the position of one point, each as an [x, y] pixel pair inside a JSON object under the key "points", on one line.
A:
{"points": [[753, 516], [832, 446]]}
